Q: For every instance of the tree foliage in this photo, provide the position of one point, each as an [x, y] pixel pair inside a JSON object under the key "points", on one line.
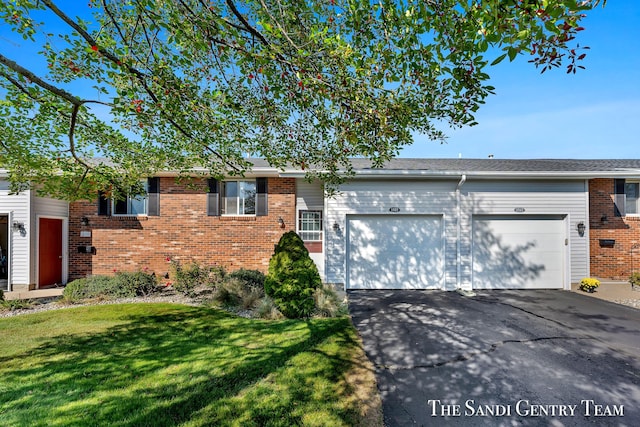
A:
{"points": [[172, 84]]}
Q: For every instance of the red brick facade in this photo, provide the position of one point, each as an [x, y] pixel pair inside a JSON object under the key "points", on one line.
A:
{"points": [[623, 257], [183, 232]]}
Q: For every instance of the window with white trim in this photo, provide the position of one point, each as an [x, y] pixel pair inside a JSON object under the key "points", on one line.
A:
{"points": [[238, 198], [310, 225], [632, 196], [133, 205]]}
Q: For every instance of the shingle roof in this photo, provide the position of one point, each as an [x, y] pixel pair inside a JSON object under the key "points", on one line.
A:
{"points": [[504, 165]]}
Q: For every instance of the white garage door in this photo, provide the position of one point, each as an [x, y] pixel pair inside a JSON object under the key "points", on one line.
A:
{"points": [[518, 252], [395, 252]]}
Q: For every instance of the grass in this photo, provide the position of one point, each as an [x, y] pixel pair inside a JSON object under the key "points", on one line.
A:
{"points": [[169, 364]]}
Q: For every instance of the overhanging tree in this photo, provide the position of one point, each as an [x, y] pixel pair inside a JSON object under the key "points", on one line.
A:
{"points": [[153, 85]]}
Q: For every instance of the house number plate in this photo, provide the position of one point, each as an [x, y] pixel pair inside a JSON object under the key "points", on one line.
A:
{"points": [[394, 209], [518, 210]]}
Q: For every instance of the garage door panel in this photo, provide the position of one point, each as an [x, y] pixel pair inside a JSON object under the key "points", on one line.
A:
{"points": [[395, 252], [518, 252]]}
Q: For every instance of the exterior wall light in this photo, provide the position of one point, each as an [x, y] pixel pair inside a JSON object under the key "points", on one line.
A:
{"points": [[18, 226], [84, 221], [581, 227], [281, 222], [336, 226]]}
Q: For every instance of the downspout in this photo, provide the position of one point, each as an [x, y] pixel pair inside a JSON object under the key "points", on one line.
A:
{"points": [[459, 289]]}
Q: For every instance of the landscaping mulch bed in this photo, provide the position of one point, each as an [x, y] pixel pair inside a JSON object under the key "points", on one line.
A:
{"points": [[164, 294]]}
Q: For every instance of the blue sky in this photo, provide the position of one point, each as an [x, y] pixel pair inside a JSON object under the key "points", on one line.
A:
{"points": [[592, 114]]}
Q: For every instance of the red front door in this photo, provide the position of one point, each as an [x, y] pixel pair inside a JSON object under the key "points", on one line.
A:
{"points": [[50, 252]]}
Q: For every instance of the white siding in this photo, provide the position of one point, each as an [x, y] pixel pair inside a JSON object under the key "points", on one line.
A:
{"points": [[17, 206], [432, 197], [309, 195]]}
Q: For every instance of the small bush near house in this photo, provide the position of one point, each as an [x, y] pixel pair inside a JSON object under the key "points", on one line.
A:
{"points": [[87, 287], [187, 279], [635, 280], [328, 304], [137, 283], [1, 295], [122, 285], [293, 277], [253, 278]]}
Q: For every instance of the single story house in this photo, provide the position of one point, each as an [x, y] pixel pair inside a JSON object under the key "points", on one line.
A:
{"points": [[416, 223]]}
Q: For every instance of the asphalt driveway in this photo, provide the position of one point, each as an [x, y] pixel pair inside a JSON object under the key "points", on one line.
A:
{"points": [[501, 357]]}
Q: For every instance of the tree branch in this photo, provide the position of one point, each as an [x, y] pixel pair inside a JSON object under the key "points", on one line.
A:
{"points": [[38, 81]]}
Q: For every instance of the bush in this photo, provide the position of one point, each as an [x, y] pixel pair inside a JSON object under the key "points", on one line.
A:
{"points": [[89, 287], [328, 304], [634, 279], [122, 285], [135, 284], [252, 278], [187, 279], [1, 295], [293, 277]]}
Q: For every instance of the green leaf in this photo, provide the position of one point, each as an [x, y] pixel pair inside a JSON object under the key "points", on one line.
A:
{"points": [[499, 59]]}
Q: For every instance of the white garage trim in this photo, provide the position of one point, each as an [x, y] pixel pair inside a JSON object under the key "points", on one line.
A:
{"points": [[519, 252], [395, 252]]}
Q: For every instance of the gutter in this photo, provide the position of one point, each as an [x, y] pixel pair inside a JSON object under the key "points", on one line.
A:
{"points": [[404, 174], [463, 179]]}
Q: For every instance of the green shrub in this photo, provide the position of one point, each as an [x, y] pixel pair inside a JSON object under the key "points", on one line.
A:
{"points": [[328, 304], [88, 287], [122, 285], [1, 295], [634, 279], [293, 277], [137, 283], [187, 279], [252, 278]]}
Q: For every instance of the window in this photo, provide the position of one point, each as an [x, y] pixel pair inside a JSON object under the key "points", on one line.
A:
{"points": [[238, 198], [310, 226], [133, 205], [632, 194]]}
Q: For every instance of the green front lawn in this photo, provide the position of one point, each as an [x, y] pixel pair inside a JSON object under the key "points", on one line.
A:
{"points": [[168, 364]]}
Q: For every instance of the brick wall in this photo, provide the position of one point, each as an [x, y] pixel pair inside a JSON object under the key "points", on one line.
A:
{"points": [[620, 260], [183, 231]]}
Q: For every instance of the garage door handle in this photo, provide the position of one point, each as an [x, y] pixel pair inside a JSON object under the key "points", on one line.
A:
{"points": [[566, 242]]}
